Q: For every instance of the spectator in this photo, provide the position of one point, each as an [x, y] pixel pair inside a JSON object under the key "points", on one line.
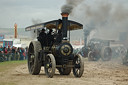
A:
{"points": [[26, 53], [13, 53], [5, 52], [18, 53], [1, 53], [21, 54], [1, 48], [9, 54]]}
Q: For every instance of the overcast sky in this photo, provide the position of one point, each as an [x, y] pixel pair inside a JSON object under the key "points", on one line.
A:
{"points": [[23, 12]]}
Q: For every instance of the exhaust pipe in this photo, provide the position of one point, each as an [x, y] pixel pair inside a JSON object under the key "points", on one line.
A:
{"points": [[64, 25]]}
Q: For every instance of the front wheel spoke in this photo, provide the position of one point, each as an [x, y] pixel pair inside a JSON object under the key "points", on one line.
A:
{"points": [[50, 65], [49, 60], [78, 61], [77, 71], [49, 70]]}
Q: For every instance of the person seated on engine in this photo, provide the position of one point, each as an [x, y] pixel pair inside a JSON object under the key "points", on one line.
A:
{"points": [[50, 38], [59, 37], [42, 38]]}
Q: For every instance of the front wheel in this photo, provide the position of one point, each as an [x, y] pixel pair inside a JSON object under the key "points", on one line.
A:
{"points": [[78, 68], [50, 65], [93, 56]]}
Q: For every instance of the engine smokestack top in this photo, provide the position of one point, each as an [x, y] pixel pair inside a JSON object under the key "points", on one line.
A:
{"points": [[64, 14]]}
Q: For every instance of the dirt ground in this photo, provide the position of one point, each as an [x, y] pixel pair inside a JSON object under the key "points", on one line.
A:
{"points": [[95, 73]]}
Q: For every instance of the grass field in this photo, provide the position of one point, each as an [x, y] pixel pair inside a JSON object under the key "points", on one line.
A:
{"points": [[10, 64]]}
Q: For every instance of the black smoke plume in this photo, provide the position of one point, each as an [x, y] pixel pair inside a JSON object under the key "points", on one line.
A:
{"points": [[70, 5], [108, 19]]}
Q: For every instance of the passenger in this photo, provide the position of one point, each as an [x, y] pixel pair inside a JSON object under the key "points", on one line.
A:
{"points": [[50, 38], [59, 37], [42, 38]]}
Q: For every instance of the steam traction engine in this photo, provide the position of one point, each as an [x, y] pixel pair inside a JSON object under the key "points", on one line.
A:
{"points": [[58, 55], [96, 49], [99, 49]]}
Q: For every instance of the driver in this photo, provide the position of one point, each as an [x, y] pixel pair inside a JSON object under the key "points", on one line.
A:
{"points": [[42, 37], [50, 38]]}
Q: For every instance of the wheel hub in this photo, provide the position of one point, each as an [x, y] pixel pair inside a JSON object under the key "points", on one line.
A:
{"points": [[32, 56], [47, 65]]}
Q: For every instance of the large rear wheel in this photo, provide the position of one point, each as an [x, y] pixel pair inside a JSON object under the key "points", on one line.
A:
{"points": [[93, 56], [106, 53], [78, 68], [50, 65], [34, 62], [125, 60]]}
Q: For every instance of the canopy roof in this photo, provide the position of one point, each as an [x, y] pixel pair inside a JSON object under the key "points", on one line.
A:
{"points": [[55, 24]]}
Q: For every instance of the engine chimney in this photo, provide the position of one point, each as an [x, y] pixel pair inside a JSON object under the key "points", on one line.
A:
{"points": [[64, 25]]}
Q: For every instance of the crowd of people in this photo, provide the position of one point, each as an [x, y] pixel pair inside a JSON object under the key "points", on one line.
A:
{"points": [[13, 53]]}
